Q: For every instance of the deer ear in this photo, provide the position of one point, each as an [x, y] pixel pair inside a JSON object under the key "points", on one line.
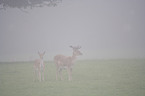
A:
{"points": [[71, 46], [79, 47]]}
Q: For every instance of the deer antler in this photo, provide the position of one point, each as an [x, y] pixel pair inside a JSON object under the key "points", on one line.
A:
{"points": [[71, 46], [76, 47]]}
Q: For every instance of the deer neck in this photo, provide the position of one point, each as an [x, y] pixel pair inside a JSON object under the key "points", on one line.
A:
{"points": [[41, 61], [73, 57]]}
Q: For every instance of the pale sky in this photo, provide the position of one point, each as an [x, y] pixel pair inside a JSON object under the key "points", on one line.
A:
{"points": [[105, 29]]}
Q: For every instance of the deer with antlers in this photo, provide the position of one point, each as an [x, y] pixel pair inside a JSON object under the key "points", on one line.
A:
{"points": [[39, 67], [66, 62]]}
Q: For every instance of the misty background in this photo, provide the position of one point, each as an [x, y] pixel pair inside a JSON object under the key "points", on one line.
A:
{"points": [[105, 29]]}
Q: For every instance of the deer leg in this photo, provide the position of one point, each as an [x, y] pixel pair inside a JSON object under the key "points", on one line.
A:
{"points": [[69, 77], [35, 74], [57, 73], [70, 73], [43, 74], [40, 76], [34, 77], [60, 73]]}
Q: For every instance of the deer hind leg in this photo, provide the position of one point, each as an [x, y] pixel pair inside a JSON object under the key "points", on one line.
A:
{"points": [[42, 72], [70, 73], [60, 73], [57, 72], [36, 75]]}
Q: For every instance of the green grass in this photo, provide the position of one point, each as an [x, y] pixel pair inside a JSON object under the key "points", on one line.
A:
{"points": [[90, 78]]}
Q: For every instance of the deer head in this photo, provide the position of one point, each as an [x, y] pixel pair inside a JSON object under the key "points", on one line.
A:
{"points": [[76, 51], [41, 54]]}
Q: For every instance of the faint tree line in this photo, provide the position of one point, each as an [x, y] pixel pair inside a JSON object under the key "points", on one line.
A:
{"points": [[24, 4]]}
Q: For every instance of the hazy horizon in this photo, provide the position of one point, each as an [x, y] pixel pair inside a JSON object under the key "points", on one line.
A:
{"points": [[105, 29]]}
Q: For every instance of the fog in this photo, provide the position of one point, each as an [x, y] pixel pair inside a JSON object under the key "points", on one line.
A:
{"points": [[105, 29]]}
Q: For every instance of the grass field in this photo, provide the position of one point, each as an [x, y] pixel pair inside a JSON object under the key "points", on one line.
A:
{"points": [[90, 78]]}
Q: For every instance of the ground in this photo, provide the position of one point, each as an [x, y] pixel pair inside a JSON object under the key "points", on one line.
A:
{"points": [[119, 77]]}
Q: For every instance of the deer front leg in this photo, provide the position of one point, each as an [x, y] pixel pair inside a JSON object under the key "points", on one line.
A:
{"points": [[43, 69], [69, 74], [43, 75], [40, 76]]}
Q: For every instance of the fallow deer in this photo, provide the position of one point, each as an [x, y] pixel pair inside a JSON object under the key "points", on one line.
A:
{"points": [[39, 67], [66, 62]]}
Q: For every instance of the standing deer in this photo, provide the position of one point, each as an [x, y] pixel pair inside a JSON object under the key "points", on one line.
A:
{"points": [[66, 62], [39, 67]]}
